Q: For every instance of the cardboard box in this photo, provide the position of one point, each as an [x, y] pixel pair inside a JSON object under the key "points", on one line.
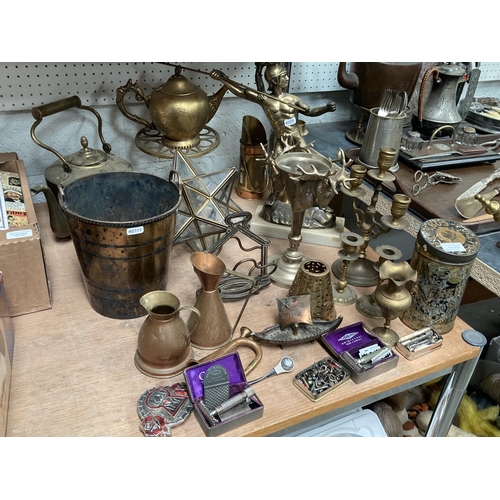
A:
{"points": [[6, 357], [21, 254]]}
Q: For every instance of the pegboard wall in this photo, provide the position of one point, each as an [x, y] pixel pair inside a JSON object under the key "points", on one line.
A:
{"points": [[25, 85]]}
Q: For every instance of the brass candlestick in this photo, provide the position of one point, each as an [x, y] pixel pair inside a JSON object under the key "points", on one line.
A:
{"points": [[490, 207], [343, 294], [361, 272], [366, 305]]}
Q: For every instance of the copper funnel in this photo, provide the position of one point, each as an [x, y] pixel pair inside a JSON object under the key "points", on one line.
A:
{"points": [[213, 330], [209, 269]]}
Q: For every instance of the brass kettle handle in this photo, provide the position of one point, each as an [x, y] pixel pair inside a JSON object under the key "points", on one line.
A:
{"points": [[139, 96], [52, 108]]}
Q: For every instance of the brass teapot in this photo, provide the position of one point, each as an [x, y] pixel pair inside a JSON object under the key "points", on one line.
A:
{"points": [[179, 109]]}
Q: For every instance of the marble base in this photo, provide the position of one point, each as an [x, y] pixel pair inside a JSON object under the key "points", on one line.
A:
{"points": [[328, 237]]}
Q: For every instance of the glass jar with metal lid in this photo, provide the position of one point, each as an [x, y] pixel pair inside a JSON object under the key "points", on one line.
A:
{"points": [[443, 257]]}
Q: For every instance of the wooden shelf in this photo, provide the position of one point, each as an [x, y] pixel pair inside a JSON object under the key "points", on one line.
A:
{"points": [[74, 373]]}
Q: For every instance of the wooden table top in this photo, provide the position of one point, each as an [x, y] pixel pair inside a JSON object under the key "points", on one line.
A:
{"points": [[74, 373]]}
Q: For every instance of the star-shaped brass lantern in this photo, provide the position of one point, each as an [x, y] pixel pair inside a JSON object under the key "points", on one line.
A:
{"points": [[206, 201], [178, 130]]}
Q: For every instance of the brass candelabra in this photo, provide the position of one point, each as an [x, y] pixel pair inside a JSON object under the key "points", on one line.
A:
{"points": [[362, 271]]}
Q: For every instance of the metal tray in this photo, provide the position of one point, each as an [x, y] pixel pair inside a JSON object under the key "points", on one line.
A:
{"points": [[454, 156]]}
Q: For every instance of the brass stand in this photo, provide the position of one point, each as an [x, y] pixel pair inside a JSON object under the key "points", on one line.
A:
{"points": [[392, 297], [357, 135], [362, 272], [366, 305]]}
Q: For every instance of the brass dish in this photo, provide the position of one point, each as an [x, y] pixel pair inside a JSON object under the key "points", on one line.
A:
{"points": [[291, 335]]}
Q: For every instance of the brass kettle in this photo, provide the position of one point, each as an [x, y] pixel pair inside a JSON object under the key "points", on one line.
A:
{"points": [[439, 107], [179, 109], [66, 170]]}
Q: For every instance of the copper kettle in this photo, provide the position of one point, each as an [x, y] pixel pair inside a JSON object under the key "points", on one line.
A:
{"points": [[179, 109], [66, 170], [368, 80]]}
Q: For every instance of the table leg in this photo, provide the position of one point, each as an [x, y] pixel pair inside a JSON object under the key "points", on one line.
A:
{"points": [[455, 387]]}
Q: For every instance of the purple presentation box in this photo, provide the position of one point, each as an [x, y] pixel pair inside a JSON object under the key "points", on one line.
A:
{"points": [[237, 383], [345, 343]]}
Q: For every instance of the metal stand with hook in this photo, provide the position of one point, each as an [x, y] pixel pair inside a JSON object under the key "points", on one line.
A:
{"points": [[235, 285]]}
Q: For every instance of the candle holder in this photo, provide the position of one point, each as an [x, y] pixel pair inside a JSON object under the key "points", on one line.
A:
{"points": [[491, 207], [366, 304], [343, 294], [362, 272]]}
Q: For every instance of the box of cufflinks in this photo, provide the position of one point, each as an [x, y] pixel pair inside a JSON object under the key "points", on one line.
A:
{"points": [[359, 351], [222, 399]]}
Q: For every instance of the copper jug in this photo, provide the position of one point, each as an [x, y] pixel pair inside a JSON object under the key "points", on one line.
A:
{"points": [[213, 330], [163, 346], [368, 80], [179, 109], [439, 106]]}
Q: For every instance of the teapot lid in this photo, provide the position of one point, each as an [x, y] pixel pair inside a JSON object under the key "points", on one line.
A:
{"points": [[85, 162], [178, 85], [87, 157]]}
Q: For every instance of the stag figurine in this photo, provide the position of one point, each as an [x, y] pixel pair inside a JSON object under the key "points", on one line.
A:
{"points": [[307, 180]]}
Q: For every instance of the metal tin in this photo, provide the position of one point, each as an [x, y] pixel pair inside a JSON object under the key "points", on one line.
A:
{"points": [[443, 257], [321, 378], [253, 172], [350, 344], [194, 376], [419, 343]]}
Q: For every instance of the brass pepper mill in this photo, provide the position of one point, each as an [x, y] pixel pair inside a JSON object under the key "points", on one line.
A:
{"points": [[366, 305], [343, 294]]}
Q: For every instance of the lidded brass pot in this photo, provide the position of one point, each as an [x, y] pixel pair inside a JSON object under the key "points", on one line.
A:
{"points": [[65, 170], [179, 109]]}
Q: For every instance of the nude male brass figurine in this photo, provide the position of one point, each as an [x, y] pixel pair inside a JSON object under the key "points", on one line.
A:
{"points": [[282, 110]]}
